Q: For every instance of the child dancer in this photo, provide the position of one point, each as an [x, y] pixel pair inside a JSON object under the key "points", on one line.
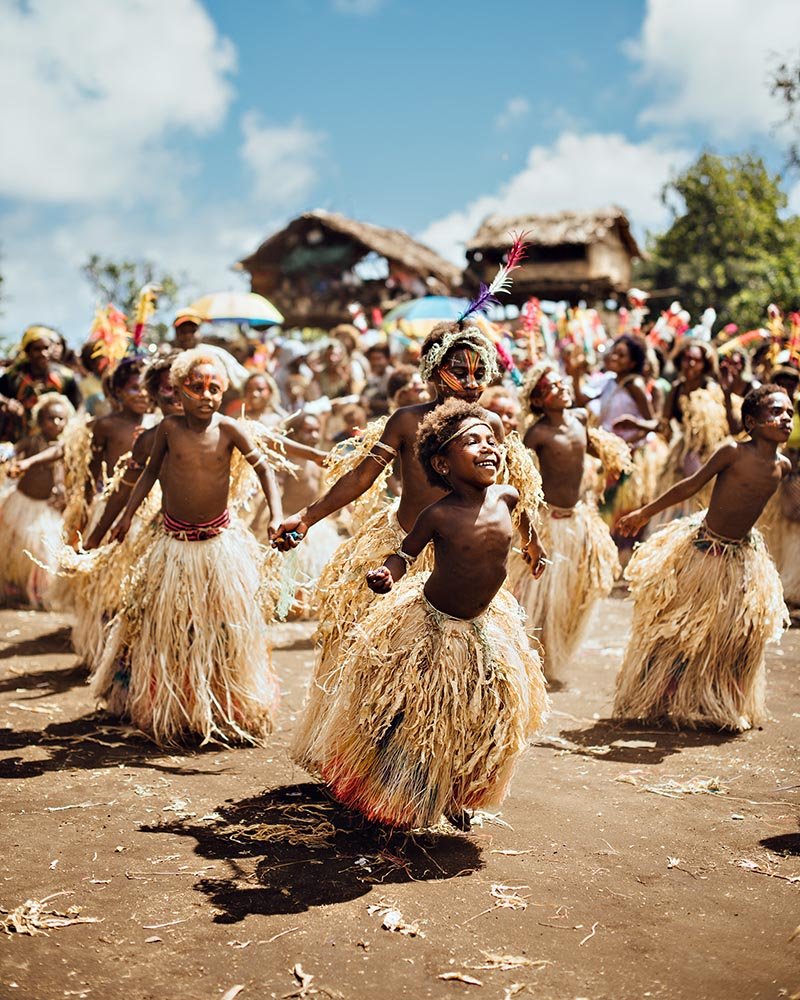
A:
{"points": [[298, 489], [30, 515], [583, 554], [459, 362], [707, 595], [440, 690], [192, 634]]}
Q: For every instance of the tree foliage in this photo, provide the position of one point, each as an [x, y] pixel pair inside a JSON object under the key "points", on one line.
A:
{"points": [[119, 282], [730, 244], [785, 85]]}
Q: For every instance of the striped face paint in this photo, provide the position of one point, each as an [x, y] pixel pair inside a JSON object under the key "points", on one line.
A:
{"points": [[463, 371], [198, 382]]}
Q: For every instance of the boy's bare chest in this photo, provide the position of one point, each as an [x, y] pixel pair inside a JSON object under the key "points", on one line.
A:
{"points": [[209, 449]]}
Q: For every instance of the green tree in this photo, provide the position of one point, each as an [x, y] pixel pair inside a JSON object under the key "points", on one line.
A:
{"points": [[785, 85], [730, 244], [119, 283]]}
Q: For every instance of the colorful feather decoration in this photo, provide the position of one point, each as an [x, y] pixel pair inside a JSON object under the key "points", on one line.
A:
{"points": [[487, 296], [145, 307]]}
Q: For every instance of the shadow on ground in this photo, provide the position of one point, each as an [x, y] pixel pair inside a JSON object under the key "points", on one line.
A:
{"points": [[57, 641], [645, 745], [294, 848], [89, 743]]}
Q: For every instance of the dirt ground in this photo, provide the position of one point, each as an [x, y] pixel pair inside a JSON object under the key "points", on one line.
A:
{"points": [[217, 873]]}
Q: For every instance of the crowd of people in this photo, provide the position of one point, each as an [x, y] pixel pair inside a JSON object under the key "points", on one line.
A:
{"points": [[448, 511]]}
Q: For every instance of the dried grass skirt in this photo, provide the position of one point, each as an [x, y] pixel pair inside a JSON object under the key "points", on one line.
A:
{"points": [[343, 599], [34, 526], [584, 566], [703, 613], [191, 644], [429, 714]]}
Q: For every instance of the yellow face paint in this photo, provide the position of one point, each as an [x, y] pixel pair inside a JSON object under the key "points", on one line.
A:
{"points": [[197, 384], [453, 373]]}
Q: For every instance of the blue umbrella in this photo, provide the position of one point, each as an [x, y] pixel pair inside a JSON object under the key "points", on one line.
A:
{"points": [[417, 317]]}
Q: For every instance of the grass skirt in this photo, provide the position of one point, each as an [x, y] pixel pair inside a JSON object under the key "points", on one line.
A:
{"points": [[191, 642], [34, 526], [343, 598], [704, 611], [782, 536], [584, 567], [429, 714]]}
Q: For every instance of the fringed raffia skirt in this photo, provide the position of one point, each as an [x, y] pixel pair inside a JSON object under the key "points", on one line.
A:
{"points": [[584, 566], [704, 610], [94, 582], [189, 652], [782, 535], [429, 714], [28, 526], [343, 599]]}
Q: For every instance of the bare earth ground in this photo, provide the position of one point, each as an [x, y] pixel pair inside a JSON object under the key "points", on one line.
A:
{"points": [[218, 869]]}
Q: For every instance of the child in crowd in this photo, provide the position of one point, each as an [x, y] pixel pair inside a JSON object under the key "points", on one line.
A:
{"points": [[30, 514], [260, 400], [707, 595], [192, 634], [502, 401], [582, 552], [440, 690]]}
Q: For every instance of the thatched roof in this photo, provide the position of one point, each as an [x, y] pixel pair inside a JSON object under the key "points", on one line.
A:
{"points": [[555, 229], [393, 244]]}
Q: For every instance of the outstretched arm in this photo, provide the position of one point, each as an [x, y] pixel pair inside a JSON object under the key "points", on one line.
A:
{"points": [[345, 490], [120, 496], [144, 483], [533, 551], [394, 567], [241, 440], [47, 457], [633, 523], [294, 449]]}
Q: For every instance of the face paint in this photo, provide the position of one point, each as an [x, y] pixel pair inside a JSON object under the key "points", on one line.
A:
{"points": [[196, 385], [475, 373]]}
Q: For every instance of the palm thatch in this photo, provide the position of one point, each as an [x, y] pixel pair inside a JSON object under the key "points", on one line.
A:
{"points": [[307, 268], [558, 228]]}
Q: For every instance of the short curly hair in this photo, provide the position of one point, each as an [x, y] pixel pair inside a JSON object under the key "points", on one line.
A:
{"points": [[187, 360], [127, 369], [155, 369], [754, 400], [436, 428]]}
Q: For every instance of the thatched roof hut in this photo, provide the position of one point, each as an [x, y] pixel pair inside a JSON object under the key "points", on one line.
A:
{"points": [[322, 262], [571, 255]]}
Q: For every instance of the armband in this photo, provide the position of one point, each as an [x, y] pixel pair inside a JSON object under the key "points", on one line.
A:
{"points": [[407, 559]]}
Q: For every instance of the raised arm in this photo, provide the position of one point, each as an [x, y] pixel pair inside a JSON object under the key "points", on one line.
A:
{"points": [[144, 483], [632, 523], [394, 567]]}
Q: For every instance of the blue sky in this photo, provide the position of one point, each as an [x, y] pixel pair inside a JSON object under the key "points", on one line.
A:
{"points": [[187, 131]]}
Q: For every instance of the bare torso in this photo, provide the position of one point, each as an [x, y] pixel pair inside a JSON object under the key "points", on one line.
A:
{"points": [[113, 437], [195, 473], [560, 444], [471, 544], [742, 489]]}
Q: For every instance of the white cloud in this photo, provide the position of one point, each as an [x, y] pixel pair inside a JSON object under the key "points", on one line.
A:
{"points": [[579, 173], [516, 108], [41, 259], [89, 91], [281, 158], [709, 63]]}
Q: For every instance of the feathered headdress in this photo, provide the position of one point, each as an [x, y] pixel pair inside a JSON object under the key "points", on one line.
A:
{"points": [[145, 307], [109, 334], [487, 296]]}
